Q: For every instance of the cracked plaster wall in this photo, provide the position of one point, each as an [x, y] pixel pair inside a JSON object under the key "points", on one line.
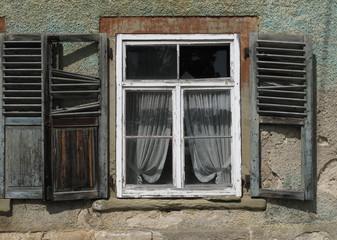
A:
{"points": [[283, 219]]}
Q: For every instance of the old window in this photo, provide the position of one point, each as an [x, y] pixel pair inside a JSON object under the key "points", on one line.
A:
{"points": [[178, 115], [53, 116]]}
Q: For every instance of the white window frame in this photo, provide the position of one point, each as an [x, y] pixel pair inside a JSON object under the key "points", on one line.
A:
{"points": [[231, 83]]}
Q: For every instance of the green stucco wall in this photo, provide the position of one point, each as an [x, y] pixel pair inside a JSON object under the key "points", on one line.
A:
{"points": [[283, 219]]}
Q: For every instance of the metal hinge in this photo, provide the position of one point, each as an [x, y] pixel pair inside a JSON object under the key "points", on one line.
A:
{"points": [[111, 54], [246, 49]]}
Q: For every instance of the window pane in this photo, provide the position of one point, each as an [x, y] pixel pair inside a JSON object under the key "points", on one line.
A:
{"points": [[204, 62], [151, 62], [148, 158], [207, 131], [207, 113], [148, 161], [148, 113], [207, 161]]}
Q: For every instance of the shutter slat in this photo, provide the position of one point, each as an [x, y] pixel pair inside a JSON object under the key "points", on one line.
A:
{"points": [[22, 63], [22, 84], [279, 44], [22, 106], [93, 107], [22, 114], [280, 91], [296, 87], [76, 85], [59, 79], [282, 113], [281, 78], [22, 70], [75, 92], [297, 101], [284, 58], [22, 100], [280, 50], [280, 106], [22, 42], [60, 73], [22, 77], [23, 56], [280, 65], [287, 72], [87, 114]]}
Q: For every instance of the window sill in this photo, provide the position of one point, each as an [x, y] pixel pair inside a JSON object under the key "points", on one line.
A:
{"points": [[212, 203]]}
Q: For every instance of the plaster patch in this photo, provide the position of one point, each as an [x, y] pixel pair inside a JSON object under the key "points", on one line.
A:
{"points": [[322, 141], [281, 157]]}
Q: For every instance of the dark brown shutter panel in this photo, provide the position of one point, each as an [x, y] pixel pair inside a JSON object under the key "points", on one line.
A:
{"points": [[281, 93], [78, 120]]}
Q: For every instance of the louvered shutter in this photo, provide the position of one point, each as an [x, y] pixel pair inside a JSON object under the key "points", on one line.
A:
{"points": [[281, 94], [78, 124], [22, 109], [54, 123]]}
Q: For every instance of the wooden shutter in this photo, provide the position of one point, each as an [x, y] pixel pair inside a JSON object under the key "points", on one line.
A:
{"points": [[22, 131], [54, 123], [78, 123], [282, 94]]}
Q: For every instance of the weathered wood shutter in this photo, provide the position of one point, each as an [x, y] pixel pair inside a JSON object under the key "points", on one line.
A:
{"points": [[78, 123], [282, 94], [54, 123], [22, 131]]}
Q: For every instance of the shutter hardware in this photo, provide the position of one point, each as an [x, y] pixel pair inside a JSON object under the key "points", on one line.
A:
{"points": [[111, 54], [246, 54]]}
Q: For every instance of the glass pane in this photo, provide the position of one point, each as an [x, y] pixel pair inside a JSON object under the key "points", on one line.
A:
{"points": [[207, 113], [204, 62], [151, 62], [207, 131], [207, 161], [148, 161], [148, 113]]}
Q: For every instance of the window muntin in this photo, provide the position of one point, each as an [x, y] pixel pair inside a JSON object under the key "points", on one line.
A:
{"points": [[178, 166]]}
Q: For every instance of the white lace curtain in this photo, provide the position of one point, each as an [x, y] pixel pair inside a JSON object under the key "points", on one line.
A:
{"points": [[208, 116], [207, 119], [148, 114]]}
